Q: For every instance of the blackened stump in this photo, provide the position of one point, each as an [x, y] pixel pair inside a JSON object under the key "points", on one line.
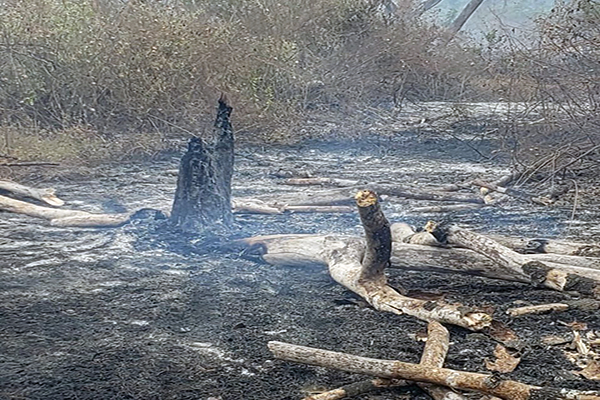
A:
{"points": [[203, 196]]}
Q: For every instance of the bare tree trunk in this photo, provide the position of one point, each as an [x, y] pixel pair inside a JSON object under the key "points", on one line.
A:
{"points": [[203, 195], [463, 17]]}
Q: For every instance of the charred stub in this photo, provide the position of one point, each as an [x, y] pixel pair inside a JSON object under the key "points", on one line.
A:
{"points": [[203, 196], [377, 232]]}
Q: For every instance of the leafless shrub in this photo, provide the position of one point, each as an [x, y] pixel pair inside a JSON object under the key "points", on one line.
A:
{"points": [[554, 88], [146, 66]]}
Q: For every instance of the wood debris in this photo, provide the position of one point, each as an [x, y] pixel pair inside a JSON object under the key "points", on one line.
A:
{"points": [[505, 362]]}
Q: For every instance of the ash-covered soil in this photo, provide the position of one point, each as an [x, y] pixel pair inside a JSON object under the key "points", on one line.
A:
{"points": [[141, 313]]}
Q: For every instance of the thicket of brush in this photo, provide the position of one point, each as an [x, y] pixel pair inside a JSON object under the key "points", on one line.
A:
{"points": [[113, 66], [556, 80], [96, 68]]}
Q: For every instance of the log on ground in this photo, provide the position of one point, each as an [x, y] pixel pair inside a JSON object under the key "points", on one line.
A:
{"points": [[555, 276], [460, 380], [518, 194], [47, 196], [62, 217], [549, 246], [359, 266], [305, 250], [344, 195]]}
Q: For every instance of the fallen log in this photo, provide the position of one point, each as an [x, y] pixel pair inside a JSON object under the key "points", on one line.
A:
{"points": [[474, 264], [319, 209], [448, 208], [320, 182], [360, 267], [508, 179], [460, 380], [555, 276], [30, 164], [519, 194], [305, 250], [434, 355], [550, 246], [344, 196], [577, 261], [47, 196], [254, 206], [64, 218]]}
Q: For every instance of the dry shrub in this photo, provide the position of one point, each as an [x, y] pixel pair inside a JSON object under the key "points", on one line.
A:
{"points": [[147, 66], [76, 144], [556, 84]]}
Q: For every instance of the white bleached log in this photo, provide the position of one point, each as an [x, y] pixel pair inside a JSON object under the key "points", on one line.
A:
{"points": [[461, 380], [359, 266], [61, 217], [47, 196], [550, 275]]}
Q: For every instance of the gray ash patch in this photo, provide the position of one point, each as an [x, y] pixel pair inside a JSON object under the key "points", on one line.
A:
{"points": [[141, 312]]}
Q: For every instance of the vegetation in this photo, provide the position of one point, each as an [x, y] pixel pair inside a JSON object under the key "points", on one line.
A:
{"points": [[99, 72], [556, 79], [151, 66]]}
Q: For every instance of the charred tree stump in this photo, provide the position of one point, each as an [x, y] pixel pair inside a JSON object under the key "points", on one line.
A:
{"points": [[203, 196]]}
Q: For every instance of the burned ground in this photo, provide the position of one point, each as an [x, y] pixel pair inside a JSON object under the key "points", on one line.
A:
{"points": [[138, 313]]}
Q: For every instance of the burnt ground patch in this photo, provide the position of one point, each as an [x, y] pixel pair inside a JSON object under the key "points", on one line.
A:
{"points": [[127, 314]]}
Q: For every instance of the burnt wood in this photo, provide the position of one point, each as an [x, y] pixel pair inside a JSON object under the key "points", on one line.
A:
{"points": [[203, 196]]}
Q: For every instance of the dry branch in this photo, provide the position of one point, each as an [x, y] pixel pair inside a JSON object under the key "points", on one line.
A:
{"points": [[539, 309], [519, 194], [434, 355], [357, 388], [45, 195], [63, 218], [484, 383], [554, 276]]}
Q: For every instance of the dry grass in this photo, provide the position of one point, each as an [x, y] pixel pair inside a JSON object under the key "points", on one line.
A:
{"points": [[558, 79], [83, 73], [147, 66], [76, 145]]}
